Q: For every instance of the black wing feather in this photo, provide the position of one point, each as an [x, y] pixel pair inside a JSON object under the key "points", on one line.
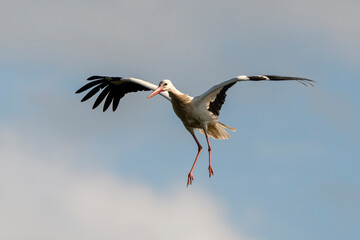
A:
{"points": [[108, 101], [101, 97], [93, 91], [215, 106], [112, 93], [95, 77], [89, 85], [116, 101], [304, 81]]}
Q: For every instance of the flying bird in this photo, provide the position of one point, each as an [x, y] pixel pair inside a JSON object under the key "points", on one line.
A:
{"points": [[200, 113]]}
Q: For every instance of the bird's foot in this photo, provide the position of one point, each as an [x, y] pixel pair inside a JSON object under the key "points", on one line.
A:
{"points": [[211, 172], [190, 179]]}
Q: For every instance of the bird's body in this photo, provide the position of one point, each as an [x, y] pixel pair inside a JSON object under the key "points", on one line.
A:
{"points": [[194, 114], [199, 112]]}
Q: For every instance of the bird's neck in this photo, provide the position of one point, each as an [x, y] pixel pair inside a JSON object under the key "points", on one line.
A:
{"points": [[174, 92], [176, 96]]}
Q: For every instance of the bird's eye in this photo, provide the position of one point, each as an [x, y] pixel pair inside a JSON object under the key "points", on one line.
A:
{"points": [[165, 84]]}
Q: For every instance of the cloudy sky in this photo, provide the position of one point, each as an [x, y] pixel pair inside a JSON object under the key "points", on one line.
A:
{"points": [[291, 171]]}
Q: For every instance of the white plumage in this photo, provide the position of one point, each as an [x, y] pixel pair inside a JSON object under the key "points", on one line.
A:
{"points": [[199, 112]]}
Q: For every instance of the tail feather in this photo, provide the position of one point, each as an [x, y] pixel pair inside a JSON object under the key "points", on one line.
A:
{"points": [[225, 126], [218, 131]]}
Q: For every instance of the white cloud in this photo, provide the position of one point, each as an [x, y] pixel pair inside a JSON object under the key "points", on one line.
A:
{"points": [[124, 32], [128, 31], [42, 200]]}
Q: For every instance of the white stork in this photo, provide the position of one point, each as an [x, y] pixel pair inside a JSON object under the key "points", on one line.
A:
{"points": [[199, 112]]}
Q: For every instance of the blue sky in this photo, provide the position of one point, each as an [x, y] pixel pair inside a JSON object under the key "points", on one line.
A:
{"points": [[291, 171]]}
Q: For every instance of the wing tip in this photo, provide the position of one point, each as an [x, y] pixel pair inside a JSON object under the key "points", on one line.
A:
{"points": [[304, 81], [97, 77], [94, 77]]}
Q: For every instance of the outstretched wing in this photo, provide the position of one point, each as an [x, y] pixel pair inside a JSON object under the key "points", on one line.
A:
{"points": [[113, 89], [214, 98]]}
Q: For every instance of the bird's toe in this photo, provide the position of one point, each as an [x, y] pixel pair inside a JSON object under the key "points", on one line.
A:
{"points": [[211, 172], [190, 179]]}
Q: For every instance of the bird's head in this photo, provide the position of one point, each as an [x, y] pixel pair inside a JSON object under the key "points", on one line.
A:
{"points": [[164, 85]]}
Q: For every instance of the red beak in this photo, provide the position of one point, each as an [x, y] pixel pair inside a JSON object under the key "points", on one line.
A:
{"points": [[158, 90]]}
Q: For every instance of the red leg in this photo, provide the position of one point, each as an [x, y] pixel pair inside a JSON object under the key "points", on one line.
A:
{"points": [[211, 172], [190, 176]]}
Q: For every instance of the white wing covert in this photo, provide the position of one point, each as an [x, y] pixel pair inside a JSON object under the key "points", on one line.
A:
{"points": [[214, 98]]}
